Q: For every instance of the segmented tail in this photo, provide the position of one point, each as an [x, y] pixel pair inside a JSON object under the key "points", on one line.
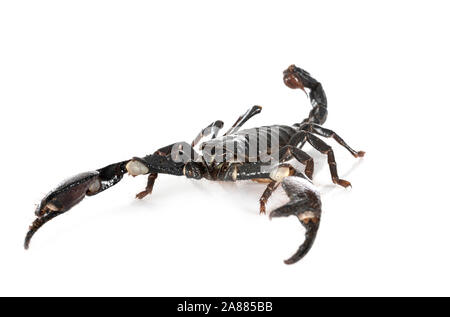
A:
{"points": [[297, 78]]}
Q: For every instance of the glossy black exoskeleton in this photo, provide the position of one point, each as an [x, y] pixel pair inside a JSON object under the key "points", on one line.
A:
{"points": [[230, 157]]}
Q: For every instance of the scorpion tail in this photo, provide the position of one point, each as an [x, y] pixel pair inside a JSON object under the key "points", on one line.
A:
{"points": [[296, 78], [305, 204]]}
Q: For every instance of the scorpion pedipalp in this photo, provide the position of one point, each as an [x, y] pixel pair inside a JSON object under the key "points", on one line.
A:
{"points": [[72, 191], [62, 198], [306, 205]]}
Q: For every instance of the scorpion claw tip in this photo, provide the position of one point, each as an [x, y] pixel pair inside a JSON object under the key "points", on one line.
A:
{"points": [[26, 244], [289, 261]]}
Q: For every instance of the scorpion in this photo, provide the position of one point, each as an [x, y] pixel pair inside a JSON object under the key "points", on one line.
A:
{"points": [[219, 161]]}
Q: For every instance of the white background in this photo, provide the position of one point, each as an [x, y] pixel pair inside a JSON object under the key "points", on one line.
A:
{"points": [[87, 83]]}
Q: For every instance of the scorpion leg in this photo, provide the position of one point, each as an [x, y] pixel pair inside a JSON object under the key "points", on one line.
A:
{"points": [[305, 204], [289, 151], [273, 185], [317, 129], [305, 136], [324, 148], [212, 128], [152, 176], [276, 176], [161, 155], [243, 119], [149, 188]]}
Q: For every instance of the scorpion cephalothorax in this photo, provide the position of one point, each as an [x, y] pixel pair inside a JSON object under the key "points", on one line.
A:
{"points": [[261, 154]]}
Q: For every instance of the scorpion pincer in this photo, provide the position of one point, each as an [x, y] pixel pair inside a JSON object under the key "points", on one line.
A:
{"points": [[230, 157]]}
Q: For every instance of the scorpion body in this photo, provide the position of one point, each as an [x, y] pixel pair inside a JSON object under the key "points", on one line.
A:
{"points": [[262, 154]]}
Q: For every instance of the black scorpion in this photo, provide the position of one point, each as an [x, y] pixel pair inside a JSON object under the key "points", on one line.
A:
{"points": [[231, 157]]}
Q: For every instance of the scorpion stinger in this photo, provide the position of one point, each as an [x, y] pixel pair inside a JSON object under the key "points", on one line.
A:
{"points": [[296, 78]]}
